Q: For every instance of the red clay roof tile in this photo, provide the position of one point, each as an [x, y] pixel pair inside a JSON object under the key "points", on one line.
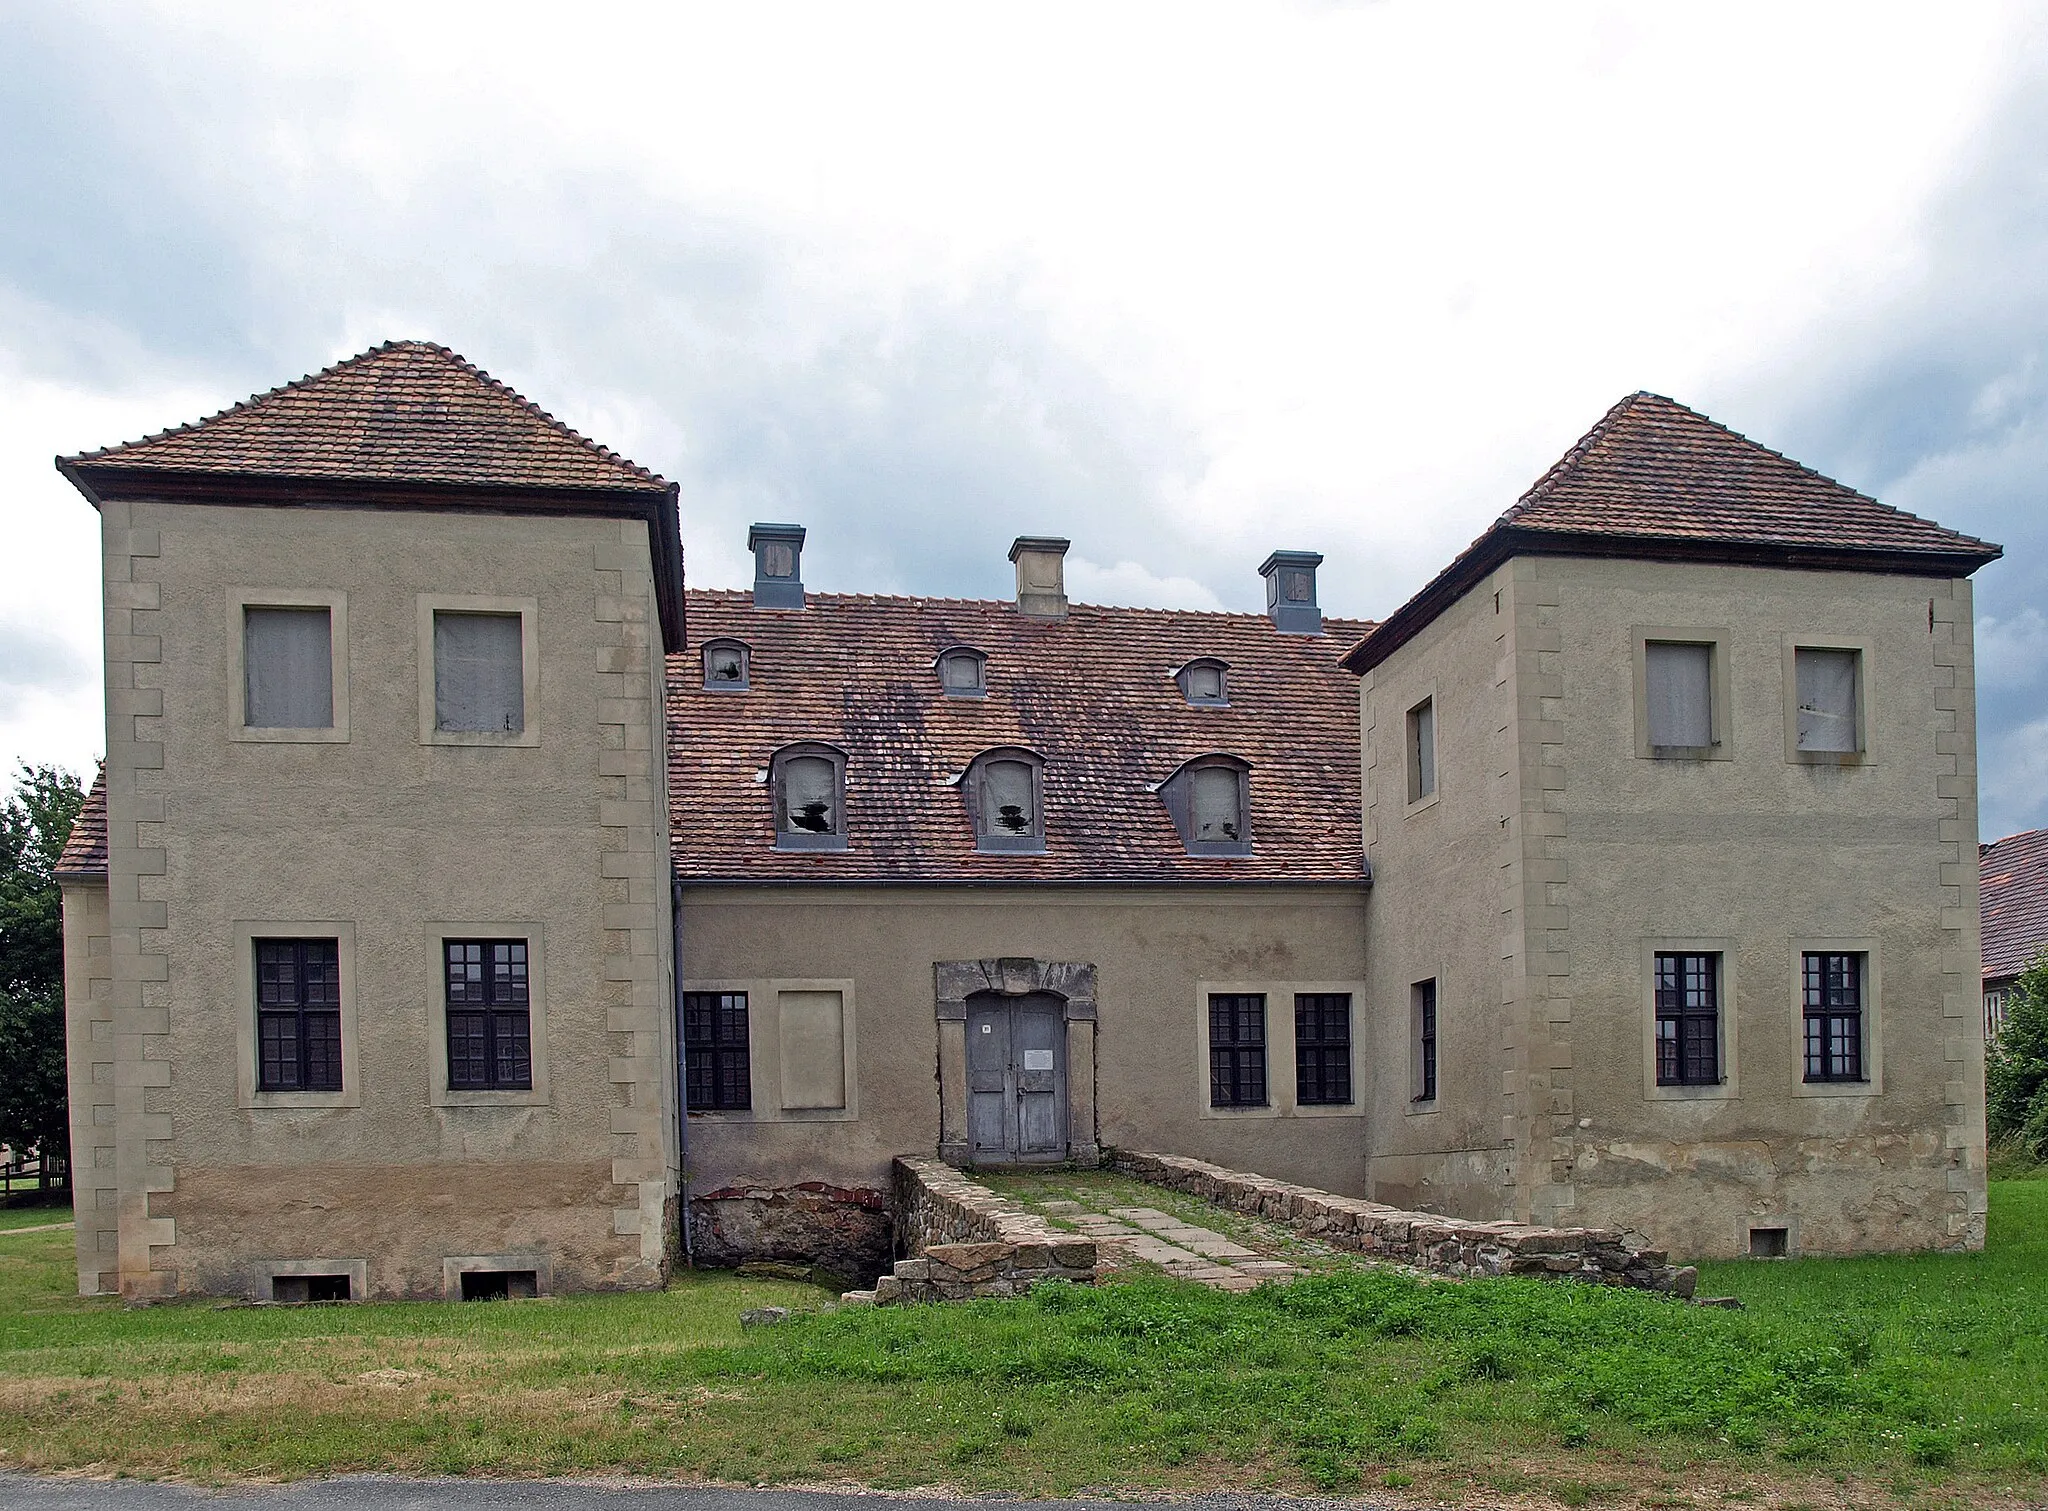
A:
{"points": [[85, 851], [2013, 902], [1092, 694]]}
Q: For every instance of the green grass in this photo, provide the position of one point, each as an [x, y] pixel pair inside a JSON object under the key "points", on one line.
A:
{"points": [[1924, 1377]]}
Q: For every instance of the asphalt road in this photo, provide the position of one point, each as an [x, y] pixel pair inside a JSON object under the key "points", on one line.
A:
{"points": [[376, 1493]]}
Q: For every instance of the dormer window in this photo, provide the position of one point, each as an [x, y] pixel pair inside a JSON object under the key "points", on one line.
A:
{"points": [[963, 672], [1210, 800], [1202, 683], [725, 665], [809, 787], [1005, 791]]}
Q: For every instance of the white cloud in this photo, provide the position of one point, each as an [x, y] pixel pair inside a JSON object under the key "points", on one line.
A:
{"points": [[2012, 652], [1131, 585]]}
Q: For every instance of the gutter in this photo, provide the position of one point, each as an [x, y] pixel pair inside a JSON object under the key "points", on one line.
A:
{"points": [[675, 912]]}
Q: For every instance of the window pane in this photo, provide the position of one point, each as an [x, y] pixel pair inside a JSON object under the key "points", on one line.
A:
{"points": [[1218, 813], [1006, 799], [1678, 682], [810, 798], [288, 669], [322, 1035], [961, 673], [1205, 682], [278, 1034], [479, 678], [1827, 699], [1421, 751], [724, 664], [715, 1050]]}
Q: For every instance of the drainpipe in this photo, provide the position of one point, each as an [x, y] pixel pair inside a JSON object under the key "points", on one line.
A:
{"points": [[675, 913]]}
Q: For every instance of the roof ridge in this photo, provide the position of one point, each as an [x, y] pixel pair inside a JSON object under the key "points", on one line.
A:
{"points": [[919, 599], [497, 385], [2011, 838], [1576, 453]]}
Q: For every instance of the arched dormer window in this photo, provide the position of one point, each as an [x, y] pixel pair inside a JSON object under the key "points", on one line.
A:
{"points": [[1203, 682], [1005, 792], [1210, 799], [808, 784], [963, 671], [725, 665]]}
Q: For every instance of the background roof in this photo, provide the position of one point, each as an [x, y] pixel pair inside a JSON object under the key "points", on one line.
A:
{"points": [[2013, 877]]}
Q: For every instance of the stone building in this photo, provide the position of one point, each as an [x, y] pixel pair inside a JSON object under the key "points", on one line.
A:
{"points": [[446, 844]]}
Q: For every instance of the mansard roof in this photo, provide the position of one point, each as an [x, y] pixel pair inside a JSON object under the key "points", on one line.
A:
{"points": [[1093, 694], [1658, 481], [2013, 880], [405, 425]]}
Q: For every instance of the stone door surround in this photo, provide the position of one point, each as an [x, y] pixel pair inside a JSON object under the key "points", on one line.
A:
{"points": [[1073, 983]]}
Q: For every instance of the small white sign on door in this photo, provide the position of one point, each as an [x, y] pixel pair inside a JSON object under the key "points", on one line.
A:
{"points": [[1038, 1059]]}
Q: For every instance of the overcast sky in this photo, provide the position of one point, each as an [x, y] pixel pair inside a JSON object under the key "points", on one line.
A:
{"points": [[1184, 283]]}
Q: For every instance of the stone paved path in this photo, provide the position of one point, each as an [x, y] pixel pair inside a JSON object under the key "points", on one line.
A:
{"points": [[1177, 1246]]}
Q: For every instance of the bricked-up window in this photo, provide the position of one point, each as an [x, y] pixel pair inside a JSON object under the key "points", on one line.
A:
{"points": [[1833, 1010], [490, 1034], [1422, 1035], [479, 673], [1322, 1049], [1688, 1020], [287, 668], [1237, 1050], [298, 1015], [715, 1052]]}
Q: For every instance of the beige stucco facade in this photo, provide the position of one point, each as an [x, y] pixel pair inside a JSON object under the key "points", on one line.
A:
{"points": [[1136, 1058], [386, 837], [1558, 838]]}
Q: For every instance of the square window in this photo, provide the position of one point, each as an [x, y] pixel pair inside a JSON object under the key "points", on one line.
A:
{"points": [[725, 666], [287, 667], [479, 673], [1678, 682], [1422, 750], [1237, 1050]]}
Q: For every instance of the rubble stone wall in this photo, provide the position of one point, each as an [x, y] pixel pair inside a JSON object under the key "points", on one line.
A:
{"points": [[961, 1240], [1445, 1245]]}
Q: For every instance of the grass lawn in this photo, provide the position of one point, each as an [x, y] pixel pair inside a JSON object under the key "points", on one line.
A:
{"points": [[1887, 1381]]}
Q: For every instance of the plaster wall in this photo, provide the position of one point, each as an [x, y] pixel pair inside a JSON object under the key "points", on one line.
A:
{"points": [[1762, 853], [1155, 952], [387, 840], [89, 1069]]}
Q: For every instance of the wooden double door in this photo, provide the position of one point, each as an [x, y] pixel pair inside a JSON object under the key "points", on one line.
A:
{"points": [[1016, 1079]]}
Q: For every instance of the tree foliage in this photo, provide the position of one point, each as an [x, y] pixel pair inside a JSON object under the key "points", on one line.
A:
{"points": [[2016, 1066], [34, 823]]}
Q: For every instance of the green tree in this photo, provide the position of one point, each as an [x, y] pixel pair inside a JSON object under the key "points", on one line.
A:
{"points": [[2016, 1066], [34, 824]]}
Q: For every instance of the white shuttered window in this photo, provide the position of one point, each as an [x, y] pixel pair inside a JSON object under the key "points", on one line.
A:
{"points": [[1827, 699], [1678, 686], [288, 668], [479, 673]]}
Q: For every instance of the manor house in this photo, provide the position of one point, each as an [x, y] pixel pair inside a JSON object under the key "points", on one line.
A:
{"points": [[466, 906]]}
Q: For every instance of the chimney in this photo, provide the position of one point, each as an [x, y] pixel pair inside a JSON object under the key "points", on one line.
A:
{"points": [[1291, 592], [778, 565], [1041, 575]]}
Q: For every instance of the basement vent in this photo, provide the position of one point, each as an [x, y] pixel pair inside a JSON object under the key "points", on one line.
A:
{"points": [[499, 1285], [1769, 1243], [298, 1290]]}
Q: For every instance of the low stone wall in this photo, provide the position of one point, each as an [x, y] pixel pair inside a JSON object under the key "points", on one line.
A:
{"points": [[961, 1240], [1445, 1245]]}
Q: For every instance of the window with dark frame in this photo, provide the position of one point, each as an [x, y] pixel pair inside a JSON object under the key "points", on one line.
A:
{"points": [[1322, 1049], [963, 672], [490, 1027], [717, 1067], [1422, 750], [1237, 1050], [1688, 993], [298, 1015], [1424, 993], [1202, 683], [1832, 993]]}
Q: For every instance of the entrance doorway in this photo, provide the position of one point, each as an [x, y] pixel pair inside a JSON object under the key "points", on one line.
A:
{"points": [[1016, 1079]]}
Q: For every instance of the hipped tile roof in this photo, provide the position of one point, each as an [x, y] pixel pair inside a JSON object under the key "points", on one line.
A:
{"points": [[1093, 694], [85, 851], [403, 412], [1658, 480], [2013, 892]]}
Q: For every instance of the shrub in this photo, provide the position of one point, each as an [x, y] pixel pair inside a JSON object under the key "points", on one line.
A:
{"points": [[2016, 1067]]}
